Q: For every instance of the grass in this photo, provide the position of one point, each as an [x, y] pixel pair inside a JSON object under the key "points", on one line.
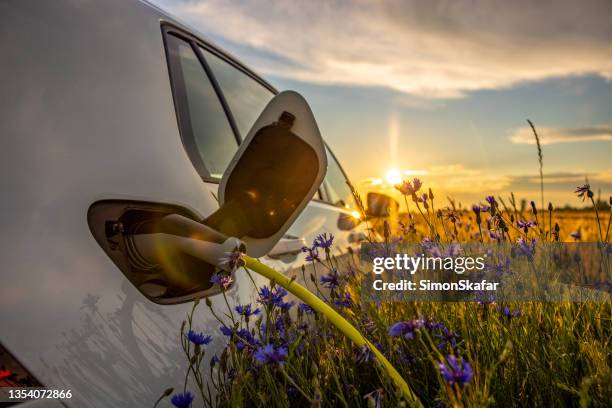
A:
{"points": [[519, 354]]}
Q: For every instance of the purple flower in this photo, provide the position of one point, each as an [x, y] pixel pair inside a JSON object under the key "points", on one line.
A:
{"points": [[269, 354], [447, 337], [274, 297], [476, 209], [577, 235], [524, 248], [331, 280], [406, 329], [246, 311], [312, 254], [365, 354], [456, 372], [409, 189], [224, 281], [344, 302], [214, 361], [182, 400], [232, 259], [323, 242], [306, 308], [510, 313], [491, 201], [525, 224], [198, 338], [584, 191], [245, 339]]}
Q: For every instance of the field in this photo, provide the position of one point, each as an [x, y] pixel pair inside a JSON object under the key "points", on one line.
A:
{"points": [[482, 353]]}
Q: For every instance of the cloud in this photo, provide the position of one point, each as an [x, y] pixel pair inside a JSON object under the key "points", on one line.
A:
{"points": [[431, 49], [547, 136]]}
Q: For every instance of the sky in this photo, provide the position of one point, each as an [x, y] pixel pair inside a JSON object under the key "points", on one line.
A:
{"points": [[439, 90]]}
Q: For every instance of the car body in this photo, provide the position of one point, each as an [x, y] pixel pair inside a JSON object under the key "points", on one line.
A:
{"points": [[88, 114]]}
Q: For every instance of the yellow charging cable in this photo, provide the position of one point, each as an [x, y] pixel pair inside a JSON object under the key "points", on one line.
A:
{"points": [[335, 318]]}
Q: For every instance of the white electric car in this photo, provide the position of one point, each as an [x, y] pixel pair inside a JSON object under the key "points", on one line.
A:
{"points": [[113, 116]]}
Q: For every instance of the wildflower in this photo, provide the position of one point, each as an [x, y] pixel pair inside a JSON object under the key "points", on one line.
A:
{"points": [[246, 310], [214, 361], [409, 189], [182, 400], [323, 242], [224, 281], [524, 248], [510, 313], [374, 398], [199, 339], [577, 235], [226, 330], [476, 208], [525, 224], [245, 339], [346, 302], [312, 253], [406, 329], [232, 259], [365, 354], [331, 280], [456, 371], [269, 354], [306, 308], [451, 216], [274, 297], [584, 191], [491, 201], [447, 336]]}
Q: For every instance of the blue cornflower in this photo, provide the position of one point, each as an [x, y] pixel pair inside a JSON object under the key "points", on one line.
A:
{"points": [[222, 280], [245, 339], [365, 354], [312, 253], [446, 336], [226, 330], [274, 297], [406, 329], [524, 248], [214, 361], [577, 235], [247, 311], [491, 201], [323, 242], [331, 280], [182, 400], [510, 313], [306, 308], [584, 191], [456, 372], [269, 354], [344, 302], [198, 338], [525, 224]]}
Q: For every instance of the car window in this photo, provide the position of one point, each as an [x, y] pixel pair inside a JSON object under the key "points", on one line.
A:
{"points": [[335, 189], [245, 96], [205, 129]]}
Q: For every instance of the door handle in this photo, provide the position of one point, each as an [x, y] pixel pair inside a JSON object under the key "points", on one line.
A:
{"points": [[288, 245]]}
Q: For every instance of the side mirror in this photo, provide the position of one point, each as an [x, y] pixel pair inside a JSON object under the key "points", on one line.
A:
{"points": [[381, 205], [273, 175]]}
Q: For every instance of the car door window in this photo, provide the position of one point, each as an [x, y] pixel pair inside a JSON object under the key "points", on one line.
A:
{"points": [[245, 96], [335, 188], [205, 129]]}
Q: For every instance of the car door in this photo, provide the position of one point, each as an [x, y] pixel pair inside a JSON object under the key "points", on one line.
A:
{"points": [[243, 96]]}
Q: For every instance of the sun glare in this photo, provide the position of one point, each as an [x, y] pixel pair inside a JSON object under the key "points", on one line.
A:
{"points": [[393, 177]]}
